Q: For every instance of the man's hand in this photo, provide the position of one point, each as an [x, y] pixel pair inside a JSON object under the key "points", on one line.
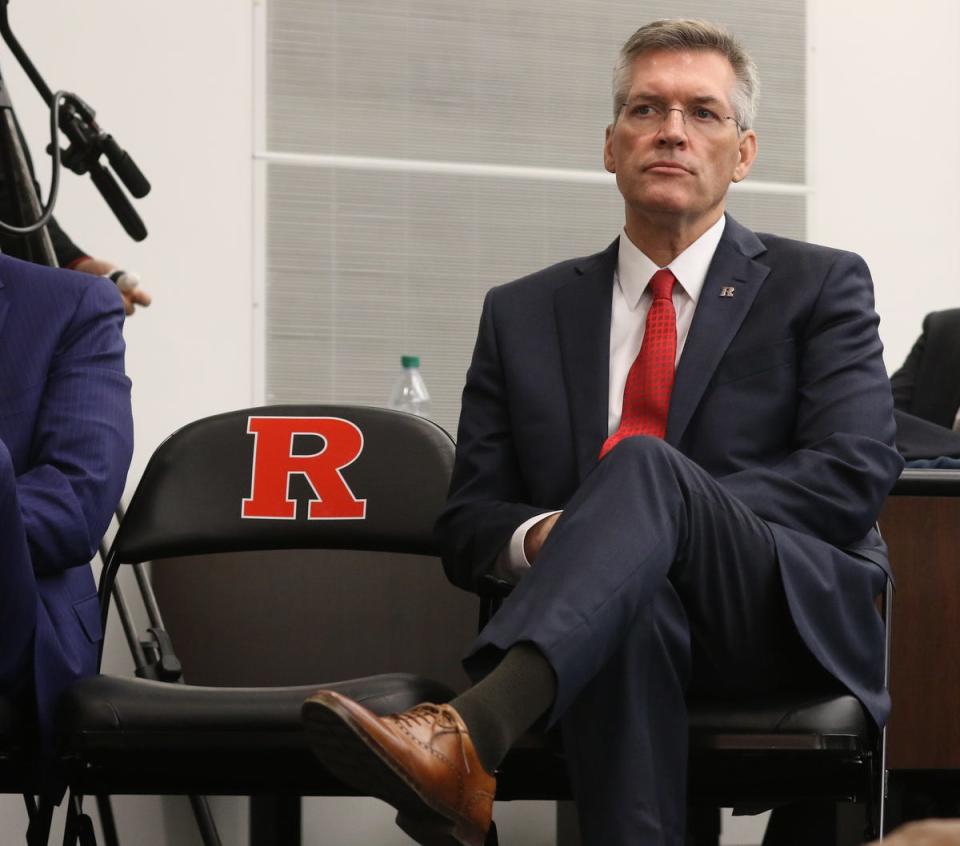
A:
{"points": [[926, 833], [536, 535], [132, 297]]}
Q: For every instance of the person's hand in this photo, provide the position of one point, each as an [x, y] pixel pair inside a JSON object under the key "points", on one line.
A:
{"points": [[925, 833], [132, 296], [536, 535]]}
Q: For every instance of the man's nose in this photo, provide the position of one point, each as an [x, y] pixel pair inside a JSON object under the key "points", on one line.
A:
{"points": [[673, 130]]}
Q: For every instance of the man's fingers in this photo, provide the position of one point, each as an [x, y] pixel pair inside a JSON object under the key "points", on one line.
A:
{"points": [[135, 297], [140, 297]]}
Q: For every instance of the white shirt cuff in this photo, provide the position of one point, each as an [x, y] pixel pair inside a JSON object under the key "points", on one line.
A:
{"points": [[512, 562]]}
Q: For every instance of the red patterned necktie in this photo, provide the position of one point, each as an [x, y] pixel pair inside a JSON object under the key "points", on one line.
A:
{"points": [[646, 395]]}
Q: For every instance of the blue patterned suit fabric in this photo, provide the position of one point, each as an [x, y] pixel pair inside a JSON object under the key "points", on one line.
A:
{"points": [[66, 437]]}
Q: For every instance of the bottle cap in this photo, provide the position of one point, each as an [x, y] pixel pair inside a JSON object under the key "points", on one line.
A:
{"points": [[410, 360]]}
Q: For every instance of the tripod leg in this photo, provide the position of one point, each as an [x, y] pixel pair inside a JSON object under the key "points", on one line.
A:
{"points": [[208, 828]]}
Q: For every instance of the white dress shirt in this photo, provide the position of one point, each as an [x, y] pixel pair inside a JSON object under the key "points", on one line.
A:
{"points": [[628, 316]]}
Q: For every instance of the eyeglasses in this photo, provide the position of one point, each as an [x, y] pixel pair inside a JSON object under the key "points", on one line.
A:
{"points": [[649, 117]]}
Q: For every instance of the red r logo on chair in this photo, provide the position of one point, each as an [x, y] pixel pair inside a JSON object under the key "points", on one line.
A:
{"points": [[274, 463]]}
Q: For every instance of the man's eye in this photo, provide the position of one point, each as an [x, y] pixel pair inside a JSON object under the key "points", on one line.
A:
{"points": [[703, 114], [643, 110]]}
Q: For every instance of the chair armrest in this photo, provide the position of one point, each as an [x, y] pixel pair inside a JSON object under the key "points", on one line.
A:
{"points": [[492, 591], [162, 663], [925, 482]]}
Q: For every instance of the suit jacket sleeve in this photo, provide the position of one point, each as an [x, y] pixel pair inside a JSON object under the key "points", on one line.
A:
{"points": [[488, 497], [82, 439], [66, 251], [842, 464]]}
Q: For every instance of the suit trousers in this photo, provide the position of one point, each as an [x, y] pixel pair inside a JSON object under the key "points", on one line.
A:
{"points": [[654, 584], [18, 587]]}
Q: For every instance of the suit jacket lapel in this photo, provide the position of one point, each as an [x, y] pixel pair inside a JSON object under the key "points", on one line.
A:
{"points": [[716, 320], [582, 309]]}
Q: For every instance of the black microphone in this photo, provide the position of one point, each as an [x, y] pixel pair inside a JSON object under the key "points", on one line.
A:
{"points": [[125, 167], [118, 202]]}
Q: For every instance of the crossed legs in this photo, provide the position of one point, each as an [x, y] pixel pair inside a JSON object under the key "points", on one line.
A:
{"points": [[653, 580]]}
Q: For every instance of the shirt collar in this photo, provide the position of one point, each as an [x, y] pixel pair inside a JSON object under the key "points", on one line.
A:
{"points": [[634, 269]]}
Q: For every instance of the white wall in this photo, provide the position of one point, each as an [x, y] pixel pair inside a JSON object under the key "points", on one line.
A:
{"points": [[173, 82], [885, 151]]}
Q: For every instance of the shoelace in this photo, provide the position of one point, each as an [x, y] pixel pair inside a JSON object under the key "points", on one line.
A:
{"points": [[443, 720]]}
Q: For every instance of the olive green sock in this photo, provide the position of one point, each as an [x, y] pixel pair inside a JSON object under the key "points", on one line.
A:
{"points": [[501, 707]]}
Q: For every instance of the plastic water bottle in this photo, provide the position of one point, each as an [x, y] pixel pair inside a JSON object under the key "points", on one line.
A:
{"points": [[410, 393]]}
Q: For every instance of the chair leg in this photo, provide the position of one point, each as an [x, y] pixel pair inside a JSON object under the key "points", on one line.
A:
{"points": [[703, 825], [41, 817], [802, 823], [108, 823], [568, 823], [79, 826], [275, 820], [205, 823]]}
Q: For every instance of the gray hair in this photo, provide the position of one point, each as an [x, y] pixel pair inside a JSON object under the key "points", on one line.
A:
{"points": [[680, 35]]}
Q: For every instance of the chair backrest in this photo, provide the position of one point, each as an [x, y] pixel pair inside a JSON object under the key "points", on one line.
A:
{"points": [[288, 477]]}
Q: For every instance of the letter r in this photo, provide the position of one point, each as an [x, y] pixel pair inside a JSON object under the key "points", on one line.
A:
{"points": [[274, 463]]}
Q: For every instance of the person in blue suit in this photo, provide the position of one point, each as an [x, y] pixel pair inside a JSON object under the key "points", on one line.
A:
{"points": [[677, 449], [66, 438]]}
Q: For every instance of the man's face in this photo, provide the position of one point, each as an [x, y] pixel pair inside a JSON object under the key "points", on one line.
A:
{"points": [[678, 167]]}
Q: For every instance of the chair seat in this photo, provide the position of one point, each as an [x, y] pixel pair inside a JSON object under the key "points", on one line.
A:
{"points": [[813, 722], [140, 736], [768, 743], [802, 749]]}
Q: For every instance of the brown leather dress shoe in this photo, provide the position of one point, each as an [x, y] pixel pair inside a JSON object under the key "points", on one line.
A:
{"points": [[421, 761]]}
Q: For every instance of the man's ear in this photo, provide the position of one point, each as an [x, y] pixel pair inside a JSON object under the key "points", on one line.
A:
{"points": [[608, 161], [748, 152]]}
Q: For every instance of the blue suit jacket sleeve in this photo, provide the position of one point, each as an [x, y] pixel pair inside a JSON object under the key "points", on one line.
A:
{"points": [[833, 481], [82, 439]]}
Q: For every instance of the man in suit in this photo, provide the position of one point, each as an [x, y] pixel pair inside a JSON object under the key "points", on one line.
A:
{"points": [[927, 384], [677, 448], [66, 438], [926, 393]]}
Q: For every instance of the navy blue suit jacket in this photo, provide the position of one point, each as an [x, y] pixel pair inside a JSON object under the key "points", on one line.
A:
{"points": [[780, 394], [66, 429]]}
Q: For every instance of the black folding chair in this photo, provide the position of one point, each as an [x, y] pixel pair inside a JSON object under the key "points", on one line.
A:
{"points": [[143, 736], [357, 478], [751, 756]]}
